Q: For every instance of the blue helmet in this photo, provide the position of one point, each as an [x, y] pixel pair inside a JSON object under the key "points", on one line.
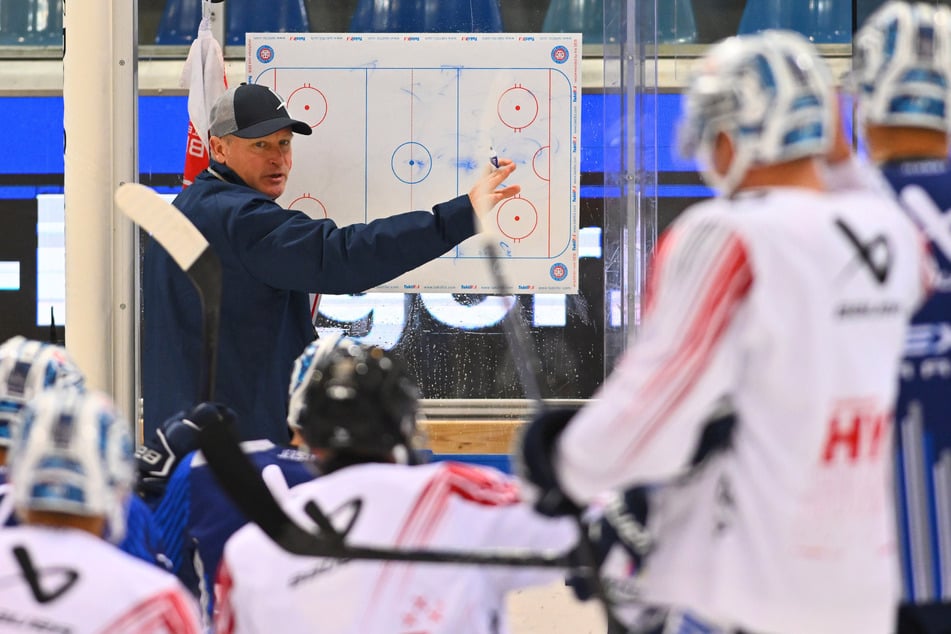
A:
{"points": [[770, 93], [27, 368], [901, 66], [72, 454]]}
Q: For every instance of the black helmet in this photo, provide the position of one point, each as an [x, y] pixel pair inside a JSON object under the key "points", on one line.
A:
{"points": [[360, 401]]}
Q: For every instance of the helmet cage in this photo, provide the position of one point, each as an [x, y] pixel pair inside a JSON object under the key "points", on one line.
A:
{"points": [[72, 454], [28, 367], [770, 93], [360, 401], [901, 68]]}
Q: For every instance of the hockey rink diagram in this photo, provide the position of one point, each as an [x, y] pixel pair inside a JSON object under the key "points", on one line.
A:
{"points": [[402, 123]]}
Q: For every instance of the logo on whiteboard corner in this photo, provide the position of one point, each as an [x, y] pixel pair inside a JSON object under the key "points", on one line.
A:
{"points": [[559, 54], [265, 54], [558, 271]]}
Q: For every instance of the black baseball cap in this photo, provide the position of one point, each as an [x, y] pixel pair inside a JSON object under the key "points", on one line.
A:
{"points": [[251, 111]]}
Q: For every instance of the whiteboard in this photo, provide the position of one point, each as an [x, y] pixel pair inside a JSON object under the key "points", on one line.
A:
{"points": [[402, 122]]}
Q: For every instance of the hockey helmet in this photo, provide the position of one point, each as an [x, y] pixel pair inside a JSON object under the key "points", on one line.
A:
{"points": [[359, 400], [72, 454], [770, 93], [302, 371], [901, 66], [28, 367]]}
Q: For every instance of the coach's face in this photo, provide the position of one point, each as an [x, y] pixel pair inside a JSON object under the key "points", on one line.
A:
{"points": [[263, 163]]}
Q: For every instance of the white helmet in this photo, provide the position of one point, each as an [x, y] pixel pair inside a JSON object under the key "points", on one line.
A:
{"points": [[901, 66], [770, 93], [303, 369], [72, 453], [28, 367]]}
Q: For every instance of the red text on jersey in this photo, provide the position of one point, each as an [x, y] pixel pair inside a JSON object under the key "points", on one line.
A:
{"points": [[856, 431]]}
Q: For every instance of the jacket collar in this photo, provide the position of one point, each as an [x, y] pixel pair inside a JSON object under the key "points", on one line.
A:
{"points": [[224, 173]]}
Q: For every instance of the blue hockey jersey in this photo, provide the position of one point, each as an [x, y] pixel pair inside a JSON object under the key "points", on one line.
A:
{"points": [[196, 517], [923, 422]]}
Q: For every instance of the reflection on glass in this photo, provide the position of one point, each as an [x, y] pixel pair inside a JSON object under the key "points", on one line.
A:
{"points": [[822, 21], [31, 22], [175, 22], [431, 16]]}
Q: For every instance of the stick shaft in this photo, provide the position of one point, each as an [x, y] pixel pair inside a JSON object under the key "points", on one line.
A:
{"points": [[240, 480], [529, 370]]}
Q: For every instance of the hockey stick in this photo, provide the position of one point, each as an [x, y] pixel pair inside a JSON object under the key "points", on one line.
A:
{"points": [[249, 493], [191, 251], [523, 354], [232, 468], [528, 367]]}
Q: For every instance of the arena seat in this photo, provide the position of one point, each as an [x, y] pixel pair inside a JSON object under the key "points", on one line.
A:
{"points": [[825, 22], [675, 20], [179, 23], [576, 16], [31, 22], [426, 16]]}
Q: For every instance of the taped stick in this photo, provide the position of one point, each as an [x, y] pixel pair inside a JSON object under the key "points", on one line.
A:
{"points": [[528, 368], [240, 480], [191, 251]]}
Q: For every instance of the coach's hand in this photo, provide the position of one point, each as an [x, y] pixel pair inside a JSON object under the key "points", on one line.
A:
{"points": [[533, 463], [489, 191]]}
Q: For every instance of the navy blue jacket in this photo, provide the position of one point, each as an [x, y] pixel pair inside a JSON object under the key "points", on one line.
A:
{"points": [[271, 259]]}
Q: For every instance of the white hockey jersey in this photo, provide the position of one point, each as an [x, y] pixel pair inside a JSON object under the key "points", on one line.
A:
{"points": [[66, 580], [792, 304], [443, 505]]}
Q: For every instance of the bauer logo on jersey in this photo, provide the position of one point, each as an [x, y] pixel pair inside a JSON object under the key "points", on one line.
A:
{"points": [[872, 261], [874, 255]]}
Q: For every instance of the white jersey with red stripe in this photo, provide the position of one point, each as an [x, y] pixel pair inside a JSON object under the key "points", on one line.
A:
{"points": [[66, 580], [439, 506], [793, 305]]}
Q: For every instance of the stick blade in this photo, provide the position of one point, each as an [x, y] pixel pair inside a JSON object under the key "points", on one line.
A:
{"points": [[167, 224]]}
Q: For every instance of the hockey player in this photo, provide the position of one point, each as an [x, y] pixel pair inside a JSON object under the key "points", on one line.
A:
{"points": [[27, 368], [791, 303], [70, 469], [195, 516], [359, 416], [902, 79]]}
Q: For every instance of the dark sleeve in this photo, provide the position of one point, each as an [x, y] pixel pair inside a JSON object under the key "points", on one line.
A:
{"points": [[171, 517], [288, 250], [143, 538]]}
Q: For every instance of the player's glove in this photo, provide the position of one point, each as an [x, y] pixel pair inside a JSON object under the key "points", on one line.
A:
{"points": [[620, 541], [533, 463], [157, 458]]}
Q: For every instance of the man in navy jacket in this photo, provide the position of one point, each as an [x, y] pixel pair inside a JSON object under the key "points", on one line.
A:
{"points": [[272, 258]]}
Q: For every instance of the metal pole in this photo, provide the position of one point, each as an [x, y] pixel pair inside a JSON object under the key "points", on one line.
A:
{"points": [[99, 117], [215, 11]]}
